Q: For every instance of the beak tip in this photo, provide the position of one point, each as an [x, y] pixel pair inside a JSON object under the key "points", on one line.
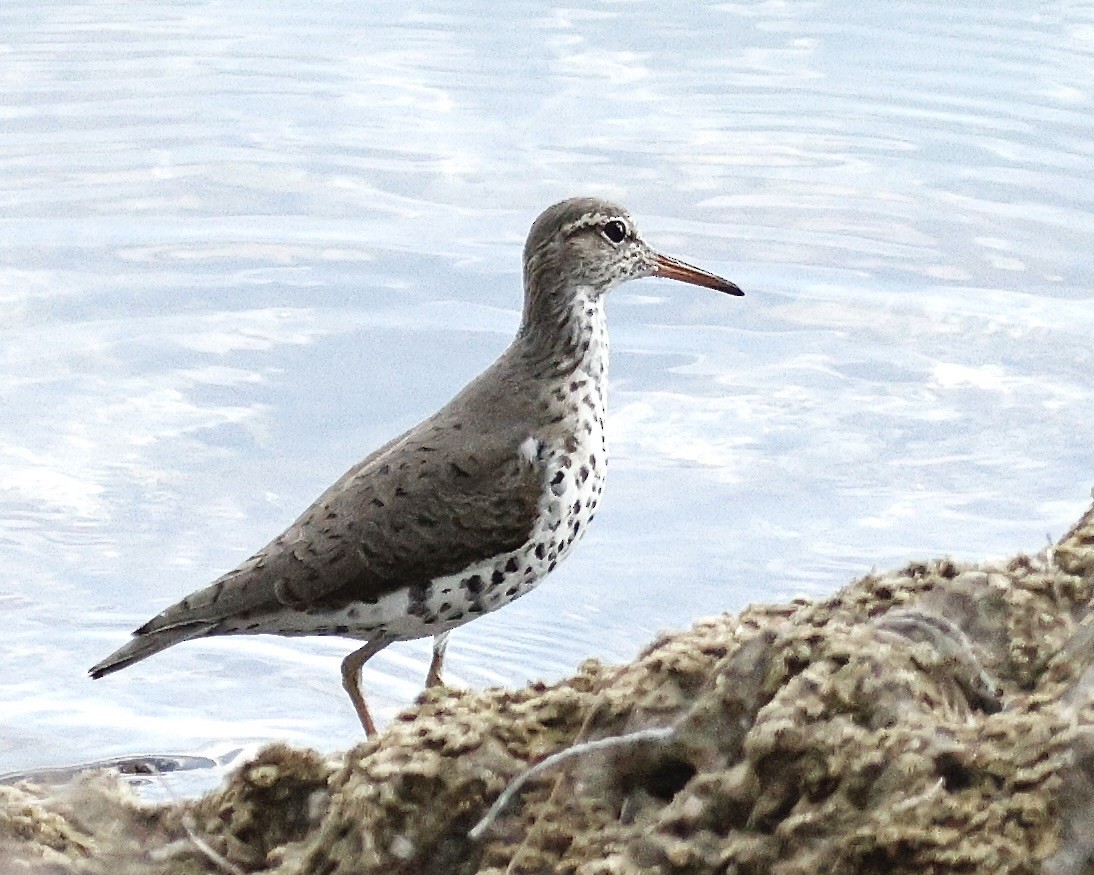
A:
{"points": [[671, 268]]}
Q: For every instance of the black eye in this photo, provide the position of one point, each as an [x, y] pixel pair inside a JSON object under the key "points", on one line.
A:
{"points": [[615, 231]]}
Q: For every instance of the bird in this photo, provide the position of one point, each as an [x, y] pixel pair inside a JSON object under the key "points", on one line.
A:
{"points": [[471, 508]]}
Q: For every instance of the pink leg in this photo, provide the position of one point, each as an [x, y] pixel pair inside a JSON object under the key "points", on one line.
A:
{"points": [[351, 680], [440, 644]]}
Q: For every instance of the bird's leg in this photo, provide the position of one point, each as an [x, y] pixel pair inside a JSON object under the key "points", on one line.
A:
{"points": [[440, 643], [351, 680]]}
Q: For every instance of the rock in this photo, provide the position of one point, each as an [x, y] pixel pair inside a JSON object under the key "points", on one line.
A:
{"points": [[937, 718]]}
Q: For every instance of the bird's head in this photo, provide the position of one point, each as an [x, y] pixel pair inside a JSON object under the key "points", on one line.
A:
{"points": [[592, 245]]}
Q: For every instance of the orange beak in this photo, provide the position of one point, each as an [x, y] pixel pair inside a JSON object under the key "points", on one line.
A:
{"points": [[672, 269]]}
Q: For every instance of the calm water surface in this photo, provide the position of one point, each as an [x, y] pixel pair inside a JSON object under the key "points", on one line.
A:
{"points": [[241, 245]]}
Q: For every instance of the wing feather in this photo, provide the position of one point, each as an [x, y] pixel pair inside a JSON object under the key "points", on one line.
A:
{"points": [[403, 516]]}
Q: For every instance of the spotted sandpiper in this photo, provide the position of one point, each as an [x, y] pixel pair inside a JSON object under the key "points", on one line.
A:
{"points": [[471, 508]]}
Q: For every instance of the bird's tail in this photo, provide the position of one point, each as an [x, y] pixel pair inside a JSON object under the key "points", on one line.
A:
{"points": [[144, 644]]}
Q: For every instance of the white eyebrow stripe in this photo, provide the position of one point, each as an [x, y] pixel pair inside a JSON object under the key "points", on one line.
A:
{"points": [[591, 220]]}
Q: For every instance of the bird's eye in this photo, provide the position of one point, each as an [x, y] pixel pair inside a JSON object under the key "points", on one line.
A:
{"points": [[615, 231]]}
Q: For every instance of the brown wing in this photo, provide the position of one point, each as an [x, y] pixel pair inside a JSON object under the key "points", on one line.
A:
{"points": [[408, 513]]}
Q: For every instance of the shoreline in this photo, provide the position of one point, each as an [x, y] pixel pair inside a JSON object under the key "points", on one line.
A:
{"points": [[933, 718]]}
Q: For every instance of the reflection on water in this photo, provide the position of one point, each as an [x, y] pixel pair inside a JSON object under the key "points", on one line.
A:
{"points": [[236, 257]]}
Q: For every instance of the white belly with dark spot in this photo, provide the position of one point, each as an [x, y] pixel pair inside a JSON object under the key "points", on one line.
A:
{"points": [[573, 484]]}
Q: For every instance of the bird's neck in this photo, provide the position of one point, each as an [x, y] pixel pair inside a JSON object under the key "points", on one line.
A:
{"points": [[564, 333]]}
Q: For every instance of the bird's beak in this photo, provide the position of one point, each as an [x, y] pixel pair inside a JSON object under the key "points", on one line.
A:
{"points": [[672, 269]]}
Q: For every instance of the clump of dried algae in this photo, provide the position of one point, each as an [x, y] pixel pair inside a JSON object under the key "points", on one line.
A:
{"points": [[936, 718]]}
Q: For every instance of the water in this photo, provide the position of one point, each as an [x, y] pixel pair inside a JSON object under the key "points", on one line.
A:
{"points": [[241, 245]]}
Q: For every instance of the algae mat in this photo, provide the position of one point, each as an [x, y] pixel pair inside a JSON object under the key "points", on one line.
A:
{"points": [[934, 719]]}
